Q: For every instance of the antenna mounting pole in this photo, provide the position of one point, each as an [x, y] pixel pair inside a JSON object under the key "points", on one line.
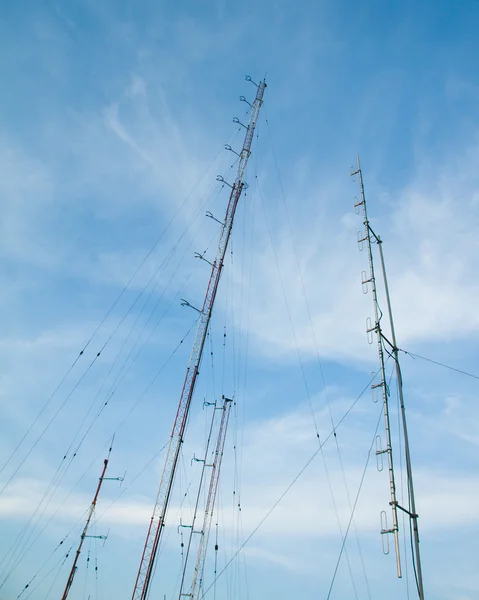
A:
{"points": [[204, 533], [368, 234], [411, 510], [91, 510], [413, 516], [157, 521]]}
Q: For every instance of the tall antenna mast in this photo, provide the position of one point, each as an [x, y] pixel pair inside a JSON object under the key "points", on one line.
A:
{"points": [[204, 532], [157, 521], [384, 386], [84, 534], [411, 511]]}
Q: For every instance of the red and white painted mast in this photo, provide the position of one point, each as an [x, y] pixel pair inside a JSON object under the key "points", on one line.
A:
{"points": [[84, 533], [145, 571]]}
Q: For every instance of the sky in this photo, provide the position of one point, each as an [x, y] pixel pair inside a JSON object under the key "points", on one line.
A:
{"points": [[113, 121]]}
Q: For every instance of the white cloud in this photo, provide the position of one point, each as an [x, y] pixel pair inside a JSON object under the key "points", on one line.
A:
{"points": [[281, 560], [26, 189], [134, 156], [445, 499], [431, 250]]}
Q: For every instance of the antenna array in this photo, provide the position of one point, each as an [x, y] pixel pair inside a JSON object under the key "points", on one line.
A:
{"points": [[369, 237], [157, 521], [84, 533], [214, 466]]}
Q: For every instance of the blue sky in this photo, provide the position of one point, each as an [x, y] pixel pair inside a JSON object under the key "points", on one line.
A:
{"points": [[113, 117]]}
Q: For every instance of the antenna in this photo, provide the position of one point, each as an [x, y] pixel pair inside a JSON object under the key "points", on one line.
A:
{"points": [[84, 534], [413, 516], [371, 329], [204, 532], [157, 521]]}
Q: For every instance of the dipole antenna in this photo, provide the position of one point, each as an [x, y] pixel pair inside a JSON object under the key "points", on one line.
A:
{"points": [[157, 521], [84, 534], [411, 511], [376, 328], [204, 532]]}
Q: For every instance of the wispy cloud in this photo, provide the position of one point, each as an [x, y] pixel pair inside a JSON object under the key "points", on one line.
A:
{"points": [[111, 118], [430, 249]]}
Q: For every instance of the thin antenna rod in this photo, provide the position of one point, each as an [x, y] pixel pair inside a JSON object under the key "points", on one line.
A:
{"points": [[199, 495], [157, 521], [385, 390], [197, 581], [91, 510], [413, 516]]}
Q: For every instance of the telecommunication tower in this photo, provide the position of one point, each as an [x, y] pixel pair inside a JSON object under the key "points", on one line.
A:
{"points": [[157, 521], [204, 532], [370, 237], [84, 533]]}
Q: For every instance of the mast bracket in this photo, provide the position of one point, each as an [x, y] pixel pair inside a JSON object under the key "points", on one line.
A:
{"points": [[365, 281], [228, 147], [357, 205], [412, 515], [370, 329], [181, 526], [243, 99], [186, 303], [361, 240], [238, 122], [221, 179], [392, 346], [210, 215], [120, 479], [201, 257]]}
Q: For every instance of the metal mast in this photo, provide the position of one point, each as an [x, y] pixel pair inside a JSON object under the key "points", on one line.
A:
{"points": [[413, 516], [204, 533], [157, 521], [411, 511], [91, 510], [385, 389]]}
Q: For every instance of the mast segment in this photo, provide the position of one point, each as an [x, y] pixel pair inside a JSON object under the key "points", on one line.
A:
{"points": [[157, 521], [84, 534], [413, 516], [411, 511], [376, 328], [204, 532]]}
